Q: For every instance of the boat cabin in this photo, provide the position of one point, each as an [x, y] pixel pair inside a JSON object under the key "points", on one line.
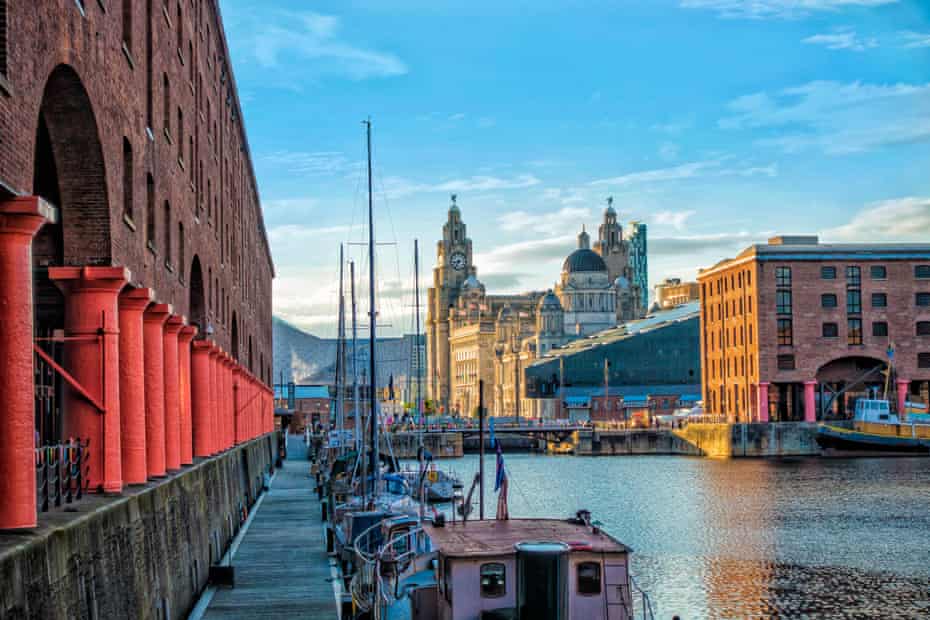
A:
{"points": [[539, 569], [874, 411]]}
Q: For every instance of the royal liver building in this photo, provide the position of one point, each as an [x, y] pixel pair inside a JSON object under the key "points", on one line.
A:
{"points": [[472, 335]]}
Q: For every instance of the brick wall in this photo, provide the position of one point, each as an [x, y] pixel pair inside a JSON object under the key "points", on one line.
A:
{"points": [[87, 74]]}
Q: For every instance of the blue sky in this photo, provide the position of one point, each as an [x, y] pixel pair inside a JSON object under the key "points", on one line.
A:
{"points": [[717, 122]]}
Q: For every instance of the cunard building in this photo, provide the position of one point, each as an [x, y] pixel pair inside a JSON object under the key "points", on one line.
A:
{"points": [[474, 336]]}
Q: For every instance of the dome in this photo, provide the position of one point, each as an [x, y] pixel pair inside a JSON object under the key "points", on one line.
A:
{"points": [[583, 260], [549, 302]]}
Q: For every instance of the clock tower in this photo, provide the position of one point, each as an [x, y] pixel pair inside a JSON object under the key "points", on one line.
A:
{"points": [[453, 266]]}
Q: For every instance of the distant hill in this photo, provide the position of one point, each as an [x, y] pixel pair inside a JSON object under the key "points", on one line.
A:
{"points": [[305, 358]]}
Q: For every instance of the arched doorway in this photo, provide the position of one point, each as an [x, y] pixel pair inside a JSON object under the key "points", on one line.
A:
{"points": [[197, 302], [234, 334], [844, 380], [70, 173]]}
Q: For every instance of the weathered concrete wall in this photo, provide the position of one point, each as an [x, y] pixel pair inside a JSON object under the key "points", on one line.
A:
{"points": [[144, 555], [752, 440], [441, 445], [632, 442], [509, 443]]}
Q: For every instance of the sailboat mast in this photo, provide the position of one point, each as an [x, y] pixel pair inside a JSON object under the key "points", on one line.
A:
{"points": [[416, 340], [340, 358], [372, 321], [358, 413]]}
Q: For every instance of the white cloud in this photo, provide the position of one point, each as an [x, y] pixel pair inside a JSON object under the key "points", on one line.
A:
{"points": [[397, 187], [776, 9], [844, 40], [485, 122], [668, 151], [899, 219], [684, 171], [458, 116], [672, 128], [297, 232], [275, 38], [912, 40], [836, 117], [309, 162], [550, 223], [675, 219]]}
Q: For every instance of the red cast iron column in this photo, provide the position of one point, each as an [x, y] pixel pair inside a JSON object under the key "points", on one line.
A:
{"points": [[92, 359], [20, 220], [214, 400], [154, 331], [132, 303], [201, 397], [237, 403], [185, 388], [173, 327]]}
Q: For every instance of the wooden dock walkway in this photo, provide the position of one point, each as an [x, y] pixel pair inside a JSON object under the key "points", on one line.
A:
{"points": [[281, 566]]}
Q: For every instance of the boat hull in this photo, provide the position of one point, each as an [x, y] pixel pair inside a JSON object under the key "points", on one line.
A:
{"points": [[840, 442]]}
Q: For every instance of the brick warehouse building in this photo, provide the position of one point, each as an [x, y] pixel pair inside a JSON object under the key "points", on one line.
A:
{"points": [[796, 330], [146, 288]]}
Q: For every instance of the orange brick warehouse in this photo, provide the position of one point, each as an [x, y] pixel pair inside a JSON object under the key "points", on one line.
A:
{"points": [[135, 272]]}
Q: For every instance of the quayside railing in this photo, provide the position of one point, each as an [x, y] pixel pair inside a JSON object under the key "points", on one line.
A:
{"points": [[61, 473]]}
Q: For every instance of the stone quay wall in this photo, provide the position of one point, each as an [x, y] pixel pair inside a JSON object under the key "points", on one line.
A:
{"points": [[633, 442], [143, 555], [752, 440]]}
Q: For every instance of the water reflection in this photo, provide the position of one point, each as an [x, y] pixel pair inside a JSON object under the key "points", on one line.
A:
{"points": [[748, 538]]}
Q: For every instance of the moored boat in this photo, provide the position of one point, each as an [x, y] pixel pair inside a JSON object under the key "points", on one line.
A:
{"points": [[877, 431]]}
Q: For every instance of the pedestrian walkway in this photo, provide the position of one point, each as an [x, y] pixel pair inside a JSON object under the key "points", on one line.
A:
{"points": [[281, 566]]}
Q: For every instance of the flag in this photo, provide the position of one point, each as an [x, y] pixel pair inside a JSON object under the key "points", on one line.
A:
{"points": [[503, 513], [491, 426], [500, 475]]}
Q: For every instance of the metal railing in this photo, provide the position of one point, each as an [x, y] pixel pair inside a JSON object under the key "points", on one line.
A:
{"points": [[61, 473], [646, 602]]}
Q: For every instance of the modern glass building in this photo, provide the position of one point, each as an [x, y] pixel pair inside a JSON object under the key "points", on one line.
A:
{"points": [[638, 259]]}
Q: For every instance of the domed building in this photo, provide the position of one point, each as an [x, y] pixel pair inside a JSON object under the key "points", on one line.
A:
{"points": [[473, 336]]}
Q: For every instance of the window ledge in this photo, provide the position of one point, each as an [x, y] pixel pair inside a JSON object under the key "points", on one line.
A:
{"points": [[181, 163], [169, 267], [151, 247], [5, 88], [168, 136], [150, 133], [181, 57], [128, 55], [128, 221]]}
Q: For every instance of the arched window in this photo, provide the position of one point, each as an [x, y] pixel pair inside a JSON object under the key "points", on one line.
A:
{"points": [[180, 134], [181, 261], [166, 92], [168, 226], [150, 211], [127, 24], [127, 178]]}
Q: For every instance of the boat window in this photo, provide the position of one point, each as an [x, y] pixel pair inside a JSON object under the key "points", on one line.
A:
{"points": [[589, 578], [493, 580]]}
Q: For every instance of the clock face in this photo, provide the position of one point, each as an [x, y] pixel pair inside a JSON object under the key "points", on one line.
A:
{"points": [[458, 261]]}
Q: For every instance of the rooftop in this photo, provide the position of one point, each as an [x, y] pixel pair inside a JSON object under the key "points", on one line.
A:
{"points": [[808, 247], [653, 320], [492, 537]]}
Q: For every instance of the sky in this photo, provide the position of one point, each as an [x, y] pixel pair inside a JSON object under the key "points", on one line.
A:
{"points": [[719, 123]]}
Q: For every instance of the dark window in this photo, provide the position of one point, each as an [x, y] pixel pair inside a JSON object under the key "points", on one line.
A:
{"points": [[785, 362], [168, 226], [923, 328], [854, 301], [783, 276], [879, 300], [923, 360], [784, 331], [180, 31], [828, 273], [180, 134], [127, 178], [589, 578], [830, 330], [853, 276], [783, 302], [854, 334], [149, 68], [150, 211], [166, 92], [181, 261], [493, 580], [828, 300], [3, 67], [922, 272], [923, 299], [127, 24], [878, 272], [880, 329]]}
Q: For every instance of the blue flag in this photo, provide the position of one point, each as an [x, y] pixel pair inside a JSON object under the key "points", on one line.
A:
{"points": [[491, 426], [501, 474]]}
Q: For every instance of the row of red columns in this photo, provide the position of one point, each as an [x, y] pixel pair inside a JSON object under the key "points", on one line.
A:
{"points": [[151, 398]]}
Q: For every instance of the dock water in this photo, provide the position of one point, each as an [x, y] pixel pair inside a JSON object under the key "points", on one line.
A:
{"points": [[281, 566]]}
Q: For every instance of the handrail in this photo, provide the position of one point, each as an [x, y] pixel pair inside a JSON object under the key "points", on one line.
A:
{"points": [[648, 613]]}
